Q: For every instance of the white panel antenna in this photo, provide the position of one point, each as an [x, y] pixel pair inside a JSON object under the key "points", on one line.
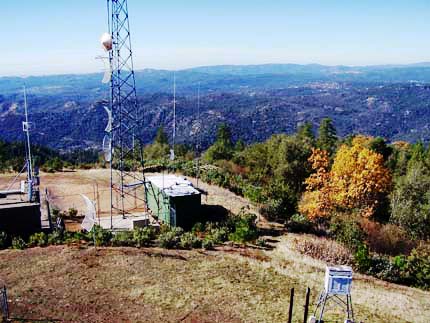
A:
{"points": [[109, 124], [107, 148], [90, 216]]}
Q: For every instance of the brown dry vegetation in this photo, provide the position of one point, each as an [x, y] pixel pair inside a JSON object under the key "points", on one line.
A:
{"points": [[76, 284]]}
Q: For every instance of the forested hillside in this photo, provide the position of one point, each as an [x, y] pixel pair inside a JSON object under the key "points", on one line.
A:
{"points": [[257, 101]]}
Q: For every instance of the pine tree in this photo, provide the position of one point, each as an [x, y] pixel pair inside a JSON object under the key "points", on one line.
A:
{"points": [[327, 137]]}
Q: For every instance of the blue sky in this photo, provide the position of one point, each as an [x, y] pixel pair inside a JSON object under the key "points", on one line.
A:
{"points": [[62, 36]]}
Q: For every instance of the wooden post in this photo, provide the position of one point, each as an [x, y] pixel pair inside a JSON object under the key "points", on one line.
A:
{"points": [[290, 312], [308, 294]]}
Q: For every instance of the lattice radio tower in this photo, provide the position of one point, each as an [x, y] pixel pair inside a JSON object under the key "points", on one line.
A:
{"points": [[125, 116]]}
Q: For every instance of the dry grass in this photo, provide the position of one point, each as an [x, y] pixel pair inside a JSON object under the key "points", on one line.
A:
{"points": [[76, 284]]}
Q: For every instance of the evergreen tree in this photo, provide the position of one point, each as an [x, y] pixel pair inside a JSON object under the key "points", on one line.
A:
{"points": [[327, 137], [305, 133], [161, 137]]}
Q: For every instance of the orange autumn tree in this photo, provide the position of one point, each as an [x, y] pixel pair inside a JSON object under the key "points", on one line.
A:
{"points": [[357, 180], [315, 202]]}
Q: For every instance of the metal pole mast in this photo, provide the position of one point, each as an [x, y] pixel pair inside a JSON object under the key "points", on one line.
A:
{"points": [[126, 114]]}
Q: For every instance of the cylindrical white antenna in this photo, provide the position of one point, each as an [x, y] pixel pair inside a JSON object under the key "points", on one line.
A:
{"points": [[27, 132], [174, 109]]}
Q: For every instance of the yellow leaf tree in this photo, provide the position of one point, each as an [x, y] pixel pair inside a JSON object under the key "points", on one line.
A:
{"points": [[357, 180]]}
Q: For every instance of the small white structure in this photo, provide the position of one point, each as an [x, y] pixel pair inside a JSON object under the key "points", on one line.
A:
{"points": [[338, 280], [337, 287]]}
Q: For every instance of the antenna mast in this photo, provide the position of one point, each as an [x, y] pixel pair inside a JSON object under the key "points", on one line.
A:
{"points": [[127, 118], [26, 129]]}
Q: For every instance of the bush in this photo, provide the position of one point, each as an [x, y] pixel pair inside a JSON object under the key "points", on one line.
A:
{"points": [[417, 268], [3, 240], [261, 242], [18, 243], [244, 228], [218, 235], [347, 230], [207, 243], [55, 238], [386, 239], [170, 239], [101, 236], [299, 223], [198, 228], [362, 258], [39, 239], [324, 249], [190, 241], [123, 239], [142, 236]]}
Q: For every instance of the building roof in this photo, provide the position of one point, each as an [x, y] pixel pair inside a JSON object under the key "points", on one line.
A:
{"points": [[173, 185]]}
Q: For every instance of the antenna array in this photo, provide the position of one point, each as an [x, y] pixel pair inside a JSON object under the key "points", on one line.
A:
{"points": [[126, 117]]}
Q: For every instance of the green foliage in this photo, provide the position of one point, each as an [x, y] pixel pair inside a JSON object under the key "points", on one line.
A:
{"points": [[218, 235], [223, 146], [261, 242], [55, 238], [347, 231], [362, 258], [208, 243], [299, 223], [189, 241], [39, 239], [305, 133], [244, 228], [410, 201], [379, 145], [327, 137], [171, 238], [102, 236], [123, 239], [18, 243], [4, 241], [161, 137], [417, 267], [142, 236]]}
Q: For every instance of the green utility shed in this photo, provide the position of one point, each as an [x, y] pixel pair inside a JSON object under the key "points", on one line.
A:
{"points": [[173, 200]]}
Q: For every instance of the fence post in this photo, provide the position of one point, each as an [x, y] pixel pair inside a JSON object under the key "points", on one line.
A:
{"points": [[305, 316], [290, 312], [4, 306]]}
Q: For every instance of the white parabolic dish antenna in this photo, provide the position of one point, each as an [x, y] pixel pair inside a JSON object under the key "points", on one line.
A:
{"points": [[106, 41], [90, 216]]}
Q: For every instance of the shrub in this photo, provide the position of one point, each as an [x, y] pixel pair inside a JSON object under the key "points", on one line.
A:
{"points": [[3, 240], [299, 223], [39, 239], [189, 241], [417, 268], [347, 230], [208, 243], [170, 239], [123, 239], [55, 238], [142, 236], [324, 249], [101, 236], [218, 235], [362, 259], [244, 228], [386, 239], [198, 228], [18, 243], [261, 242]]}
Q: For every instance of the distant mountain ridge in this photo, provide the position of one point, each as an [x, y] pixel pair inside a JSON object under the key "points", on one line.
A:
{"points": [[392, 101]]}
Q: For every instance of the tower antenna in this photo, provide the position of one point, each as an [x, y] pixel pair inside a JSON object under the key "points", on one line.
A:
{"points": [[126, 116], [172, 152]]}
